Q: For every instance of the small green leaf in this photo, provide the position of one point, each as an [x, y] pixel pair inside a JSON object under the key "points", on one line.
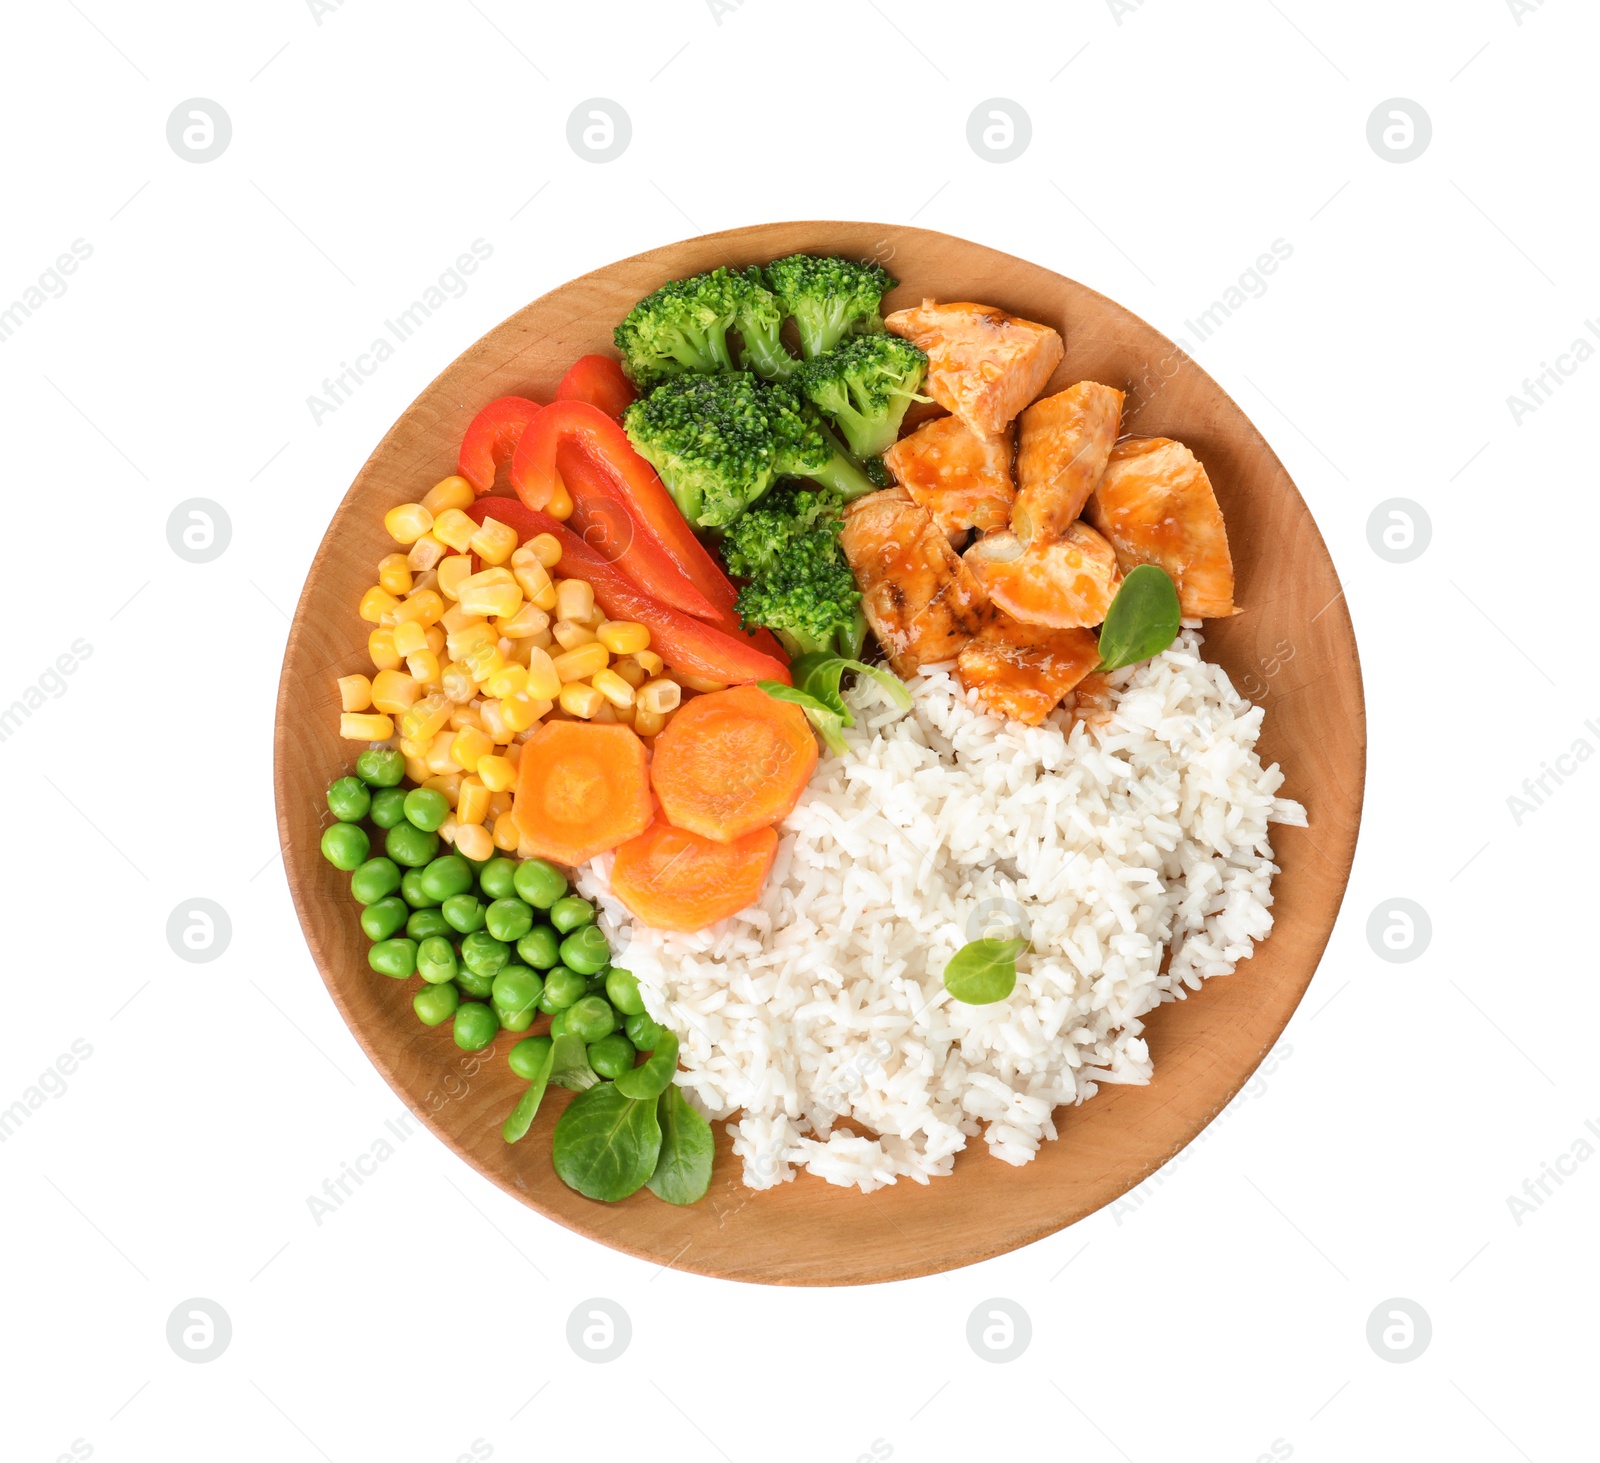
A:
{"points": [[523, 1114], [828, 723], [885, 678], [683, 1172], [818, 673], [1143, 619], [605, 1144], [983, 972], [654, 1076], [569, 1064]]}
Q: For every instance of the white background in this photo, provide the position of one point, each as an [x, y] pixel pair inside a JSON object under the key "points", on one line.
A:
{"points": [[1225, 1310]]}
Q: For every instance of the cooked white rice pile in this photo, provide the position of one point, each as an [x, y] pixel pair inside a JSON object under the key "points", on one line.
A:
{"points": [[825, 1000]]}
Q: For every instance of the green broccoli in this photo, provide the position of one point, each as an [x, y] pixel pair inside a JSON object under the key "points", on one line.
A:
{"points": [[866, 385], [829, 298], [683, 327], [719, 442], [800, 586]]}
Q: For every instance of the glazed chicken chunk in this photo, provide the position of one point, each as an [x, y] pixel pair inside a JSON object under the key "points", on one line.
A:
{"points": [[1062, 584], [1064, 442], [1022, 671], [963, 479], [922, 602]]}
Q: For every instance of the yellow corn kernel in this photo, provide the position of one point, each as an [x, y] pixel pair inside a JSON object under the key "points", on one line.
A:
{"points": [[648, 723], [495, 723], [494, 541], [569, 634], [455, 680], [473, 841], [381, 651], [495, 772], [697, 683], [365, 726], [409, 748], [513, 753], [651, 662], [355, 693], [453, 527], [500, 802], [624, 714], [450, 492], [610, 685], [455, 621], [472, 806], [448, 783], [439, 758], [447, 829], [580, 699], [425, 720], [506, 833], [452, 571], [544, 680], [410, 636], [426, 553], [606, 714], [521, 712], [484, 661], [580, 664], [491, 592], [416, 768], [510, 680], [534, 578], [632, 672], [436, 638], [469, 745], [623, 637], [425, 606], [394, 692], [546, 549], [394, 573], [660, 696], [420, 582], [376, 603], [516, 652], [407, 523], [423, 668], [470, 637], [574, 599], [529, 620], [467, 715]]}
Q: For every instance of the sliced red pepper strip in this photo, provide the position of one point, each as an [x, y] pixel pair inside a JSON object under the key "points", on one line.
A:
{"points": [[685, 643], [534, 475], [599, 381], [491, 439]]}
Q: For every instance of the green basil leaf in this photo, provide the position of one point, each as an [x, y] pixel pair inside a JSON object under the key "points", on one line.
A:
{"points": [[652, 1078], [569, 1064], [605, 1144], [523, 1114], [984, 972], [828, 723], [683, 1172], [1143, 619]]}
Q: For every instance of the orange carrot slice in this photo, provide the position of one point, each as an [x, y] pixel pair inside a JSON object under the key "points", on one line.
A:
{"points": [[732, 761], [581, 789], [676, 880]]}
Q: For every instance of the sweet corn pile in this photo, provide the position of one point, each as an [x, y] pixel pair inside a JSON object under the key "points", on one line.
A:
{"points": [[467, 665]]}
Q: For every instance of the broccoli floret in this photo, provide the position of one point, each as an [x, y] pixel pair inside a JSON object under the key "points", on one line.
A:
{"points": [[683, 327], [719, 442], [829, 298], [800, 586], [866, 385]]}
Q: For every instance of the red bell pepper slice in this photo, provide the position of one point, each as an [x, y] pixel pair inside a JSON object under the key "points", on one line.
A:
{"points": [[491, 439], [534, 476], [685, 643], [599, 381]]}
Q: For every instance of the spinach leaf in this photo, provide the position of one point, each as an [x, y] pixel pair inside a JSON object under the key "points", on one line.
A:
{"points": [[605, 1144], [984, 971], [523, 1114], [654, 1077], [569, 1063], [683, 1173], [1142, 621], [824, 718]]}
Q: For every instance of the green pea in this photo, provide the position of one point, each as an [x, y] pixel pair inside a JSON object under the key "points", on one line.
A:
{"points": [[381, 767], [393, 957], [498, 877], [344, 845], [561, 988], [479, 987], [463, 913], [348, 799], [541, 884], [595, 985], [586, 950], [410, 846], [427, 808], [527, 1056], [482, 954], [436, 960], [446, 876], [644, 1032], [569, 913], [413, 893], [508, 919], [591, 1018], [622, 990], [540, 948], [558, 1024], [516, 993], [374, 880], [476, 1025], [384, 917], [388, 807], [424, 924], [435, 1003], [612, 1055]]}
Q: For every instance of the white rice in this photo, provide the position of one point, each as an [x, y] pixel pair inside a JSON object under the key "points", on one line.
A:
{"points": [[825, 1001]]}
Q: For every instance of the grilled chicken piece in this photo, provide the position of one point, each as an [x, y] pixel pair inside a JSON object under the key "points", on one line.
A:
{"points": [[1065, 584], [983, 364], [1155, 504], [922, 602], [1064, 442], [1023, 671], [963, 479]]}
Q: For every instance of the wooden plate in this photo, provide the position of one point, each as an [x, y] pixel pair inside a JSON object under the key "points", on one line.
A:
{"points": [[1292, 649]]}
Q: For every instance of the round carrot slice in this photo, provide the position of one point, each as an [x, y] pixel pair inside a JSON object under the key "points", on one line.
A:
{"points": [[581, 789], [732, 761], [676, 880]]}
